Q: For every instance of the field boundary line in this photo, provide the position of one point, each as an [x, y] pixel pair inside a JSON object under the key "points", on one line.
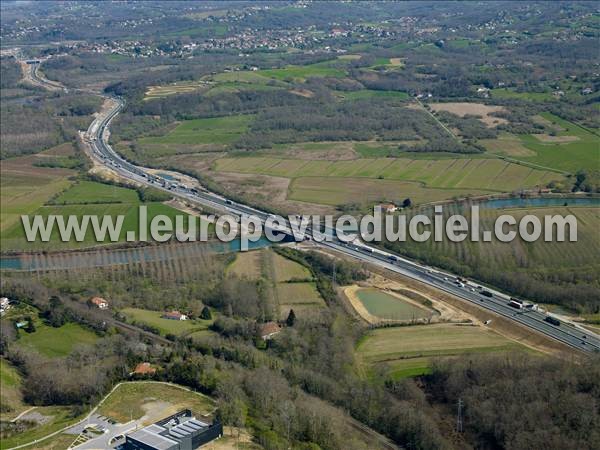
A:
{"points": [[533, 165], [438, 120]]}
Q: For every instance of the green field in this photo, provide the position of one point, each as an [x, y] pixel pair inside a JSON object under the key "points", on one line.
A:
{"points": [[165, 326], [584, 153], [25, 187], [247, 265], [9, 377], [152, 401], [303, 298], [56, 342], [286, 269], [370, 93], [386, 306], [10, 394], [216, 130], [372, 179], [92, 192], [14, 238], [301, 73], [487, 174], [407, 351]]}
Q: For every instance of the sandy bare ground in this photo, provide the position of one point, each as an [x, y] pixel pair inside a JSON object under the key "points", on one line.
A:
{"points": [[303, 93], [396, 61], [463, 109], [444, 312]]}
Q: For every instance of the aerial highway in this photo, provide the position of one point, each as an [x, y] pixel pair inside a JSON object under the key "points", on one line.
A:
{"points": [[492, 300]]}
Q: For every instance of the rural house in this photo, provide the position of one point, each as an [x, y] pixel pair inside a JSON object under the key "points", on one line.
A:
{"points": [[99, 302], [268, 330], [388, 208], [174, 315], [144, 368]]}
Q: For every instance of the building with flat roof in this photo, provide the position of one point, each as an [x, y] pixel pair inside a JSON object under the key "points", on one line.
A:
{"points": [[181, 431]]}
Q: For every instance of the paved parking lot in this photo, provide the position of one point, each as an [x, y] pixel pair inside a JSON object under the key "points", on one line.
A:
{"points": [[109, 430]]}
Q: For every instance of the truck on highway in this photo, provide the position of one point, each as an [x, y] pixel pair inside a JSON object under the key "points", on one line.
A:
{"points": [[515, 304], [552, 320], [487, 294]]}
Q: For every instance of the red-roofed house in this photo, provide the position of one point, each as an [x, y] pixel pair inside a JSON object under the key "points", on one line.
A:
{"points": [[268, 330], [99, 302], [144, 368]]}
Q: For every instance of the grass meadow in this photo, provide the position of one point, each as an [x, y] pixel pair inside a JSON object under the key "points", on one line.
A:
{"points": [[56, 342], [24, 187], [86, 198], [373, 179], [165, 326], [582, 153], [216, 130], [408, 350], [152, 401]]}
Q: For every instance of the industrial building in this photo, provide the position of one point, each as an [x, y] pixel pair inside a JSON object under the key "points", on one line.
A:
{"points": [[181, 431]]}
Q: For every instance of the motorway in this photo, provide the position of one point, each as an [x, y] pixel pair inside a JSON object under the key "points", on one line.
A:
{"points": [[567, 333]]}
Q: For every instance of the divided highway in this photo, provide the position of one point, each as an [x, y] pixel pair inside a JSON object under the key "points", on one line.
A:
{"points": [[492, 300]]}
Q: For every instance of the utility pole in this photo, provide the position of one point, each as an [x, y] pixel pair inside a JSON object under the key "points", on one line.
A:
{"points": [[459, 418]]}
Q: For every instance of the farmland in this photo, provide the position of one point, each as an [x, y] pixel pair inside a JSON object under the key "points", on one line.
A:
{"points": [[580, 151], [86, 198], [247, 265], [56, 342], [369, 179], [165, 326], [25, 186], [408, 350], [86, 192], [301, 73], [288, 270], [152, 401], [218, 130], [292, 283]]}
